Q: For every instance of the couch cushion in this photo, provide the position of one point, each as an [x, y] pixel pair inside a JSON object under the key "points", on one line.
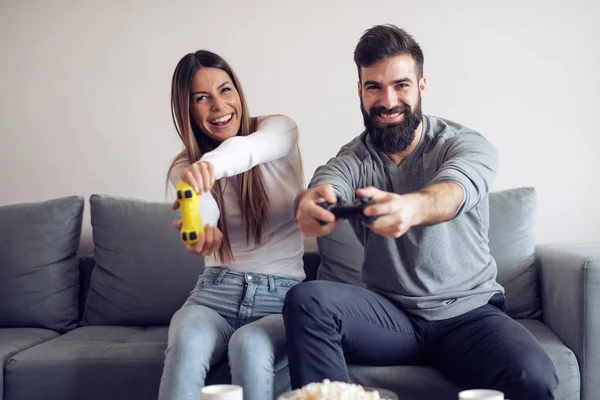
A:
{"points": [[408, 382], [565, 362], [39, 279], [91, 362], [101, 362], [341, 256], [512, 244], [143, 273], [13, 340]]}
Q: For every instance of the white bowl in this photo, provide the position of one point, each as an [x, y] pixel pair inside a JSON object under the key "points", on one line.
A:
{"points": [[383, 394]]}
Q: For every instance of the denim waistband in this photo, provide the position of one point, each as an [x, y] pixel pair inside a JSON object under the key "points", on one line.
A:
{"points": [[217, 274]]}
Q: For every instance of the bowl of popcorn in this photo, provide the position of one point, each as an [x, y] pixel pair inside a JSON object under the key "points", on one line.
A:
{"points": [[328, 390]]}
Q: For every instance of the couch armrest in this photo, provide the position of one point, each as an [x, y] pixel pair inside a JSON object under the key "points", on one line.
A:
{"points": [[570, 290]]}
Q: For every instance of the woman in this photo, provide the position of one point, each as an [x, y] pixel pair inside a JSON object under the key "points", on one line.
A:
{"points": [[248, 171]]}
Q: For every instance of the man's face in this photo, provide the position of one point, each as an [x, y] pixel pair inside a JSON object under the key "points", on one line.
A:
{"points": [[390, 97]]}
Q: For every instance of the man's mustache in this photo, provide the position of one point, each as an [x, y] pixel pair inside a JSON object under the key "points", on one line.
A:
{"points": [[375, 111]]}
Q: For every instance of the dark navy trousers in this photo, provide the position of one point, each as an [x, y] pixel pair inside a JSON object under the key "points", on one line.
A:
{"points": [[329, 325]]}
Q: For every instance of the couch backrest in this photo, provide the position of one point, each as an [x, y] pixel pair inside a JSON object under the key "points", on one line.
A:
{"points": [[311, 260], [511, 242], [39, 278], [142, 271]]}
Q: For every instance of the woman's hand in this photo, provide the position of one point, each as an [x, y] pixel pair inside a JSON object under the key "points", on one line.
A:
{"points": [[199, 175], [208, 242]]}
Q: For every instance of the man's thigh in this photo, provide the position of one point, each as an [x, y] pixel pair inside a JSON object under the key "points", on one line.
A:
{"points": [[482, 347], [370, 328]]}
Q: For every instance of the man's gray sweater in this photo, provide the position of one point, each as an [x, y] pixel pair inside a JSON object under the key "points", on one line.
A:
{"points": [[438, 271]]}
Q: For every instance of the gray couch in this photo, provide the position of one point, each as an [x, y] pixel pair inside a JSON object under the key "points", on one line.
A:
{"points": [[95, 327]]}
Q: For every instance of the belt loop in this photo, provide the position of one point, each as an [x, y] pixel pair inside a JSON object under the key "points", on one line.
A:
{"points": [[271, 284], [220, 277]]}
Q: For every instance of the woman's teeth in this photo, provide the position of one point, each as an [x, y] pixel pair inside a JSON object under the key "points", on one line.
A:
{"points": [[222, 120]]}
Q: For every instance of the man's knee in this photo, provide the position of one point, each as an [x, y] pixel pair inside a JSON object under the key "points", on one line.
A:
{"points": [[306, 298], [532, 377]]}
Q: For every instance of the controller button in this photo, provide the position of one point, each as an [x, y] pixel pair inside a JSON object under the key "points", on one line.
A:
{"points": [[193, 236], [184, 236], [188, 194], [179, 195]]}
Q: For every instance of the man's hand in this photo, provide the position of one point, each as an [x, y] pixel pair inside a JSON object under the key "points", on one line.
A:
{"points": [[208, 242], [396, 214], [308, 212]]}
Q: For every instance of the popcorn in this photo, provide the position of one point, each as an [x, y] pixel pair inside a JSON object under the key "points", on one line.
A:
{"points": [[328, 390]]}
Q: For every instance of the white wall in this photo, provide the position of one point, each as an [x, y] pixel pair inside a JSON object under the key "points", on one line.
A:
{"points": [[84, 98]]}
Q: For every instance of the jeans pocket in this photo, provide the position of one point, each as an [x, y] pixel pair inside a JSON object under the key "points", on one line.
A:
{"points": [[282, 289]]}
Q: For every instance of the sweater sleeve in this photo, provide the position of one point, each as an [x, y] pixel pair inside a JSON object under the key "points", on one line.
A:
{"points": [[275, 137], [341, 173], [472, 162]]}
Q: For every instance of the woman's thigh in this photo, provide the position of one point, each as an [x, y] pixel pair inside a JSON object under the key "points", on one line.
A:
{"points": [[261, 342], [220, 291], [269, 296]]}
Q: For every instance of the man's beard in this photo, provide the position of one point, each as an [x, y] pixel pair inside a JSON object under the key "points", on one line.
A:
{"points": [[392, 138]]}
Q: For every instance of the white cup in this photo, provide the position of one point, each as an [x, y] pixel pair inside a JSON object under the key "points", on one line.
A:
{"points": [[222, 392], [480, 394]]}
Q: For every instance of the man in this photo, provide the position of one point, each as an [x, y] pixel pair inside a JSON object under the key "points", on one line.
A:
{"points": [[432, 296]]}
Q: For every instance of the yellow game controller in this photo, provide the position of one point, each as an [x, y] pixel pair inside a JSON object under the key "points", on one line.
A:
{"points": [[189, 202]]}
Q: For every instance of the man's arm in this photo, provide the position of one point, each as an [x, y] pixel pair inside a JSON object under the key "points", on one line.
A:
{"points": [[398, 213], [437, 203], [465, 175], [338, 177], [470, 161]]}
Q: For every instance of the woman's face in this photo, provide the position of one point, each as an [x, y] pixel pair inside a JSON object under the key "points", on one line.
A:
{"points": [[215, 104]]}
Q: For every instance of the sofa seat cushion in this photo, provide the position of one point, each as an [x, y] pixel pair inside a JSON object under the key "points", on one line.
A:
{"points": [[408, 382], [95, 362], [98, 363], [13, 340], [39, 279], [565, 362]]}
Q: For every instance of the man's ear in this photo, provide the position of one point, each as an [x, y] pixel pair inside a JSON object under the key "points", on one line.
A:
{"points": [[359, 89], [422, 84]]}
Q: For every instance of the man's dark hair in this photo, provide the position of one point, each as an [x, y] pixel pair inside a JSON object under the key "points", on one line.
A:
{"points": [[383, 41]]}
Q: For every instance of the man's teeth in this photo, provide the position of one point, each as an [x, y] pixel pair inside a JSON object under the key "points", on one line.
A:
{"points": [[222, 119], [388, 116]]}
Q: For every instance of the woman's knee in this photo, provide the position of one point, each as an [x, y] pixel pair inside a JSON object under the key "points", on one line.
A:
{"points": [[253, 345]]}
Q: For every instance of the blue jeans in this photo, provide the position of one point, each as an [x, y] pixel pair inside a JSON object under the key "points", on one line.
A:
{"points": [[228, 315]]}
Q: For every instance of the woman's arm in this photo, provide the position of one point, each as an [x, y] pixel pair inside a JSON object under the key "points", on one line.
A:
{"points": [[275, 137]]}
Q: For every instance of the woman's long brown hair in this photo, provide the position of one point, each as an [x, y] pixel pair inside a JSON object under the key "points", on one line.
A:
{"points": [[252, 197]]}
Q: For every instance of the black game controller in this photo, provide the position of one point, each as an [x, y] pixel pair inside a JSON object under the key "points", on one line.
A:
{"points": [[350, 210]]}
